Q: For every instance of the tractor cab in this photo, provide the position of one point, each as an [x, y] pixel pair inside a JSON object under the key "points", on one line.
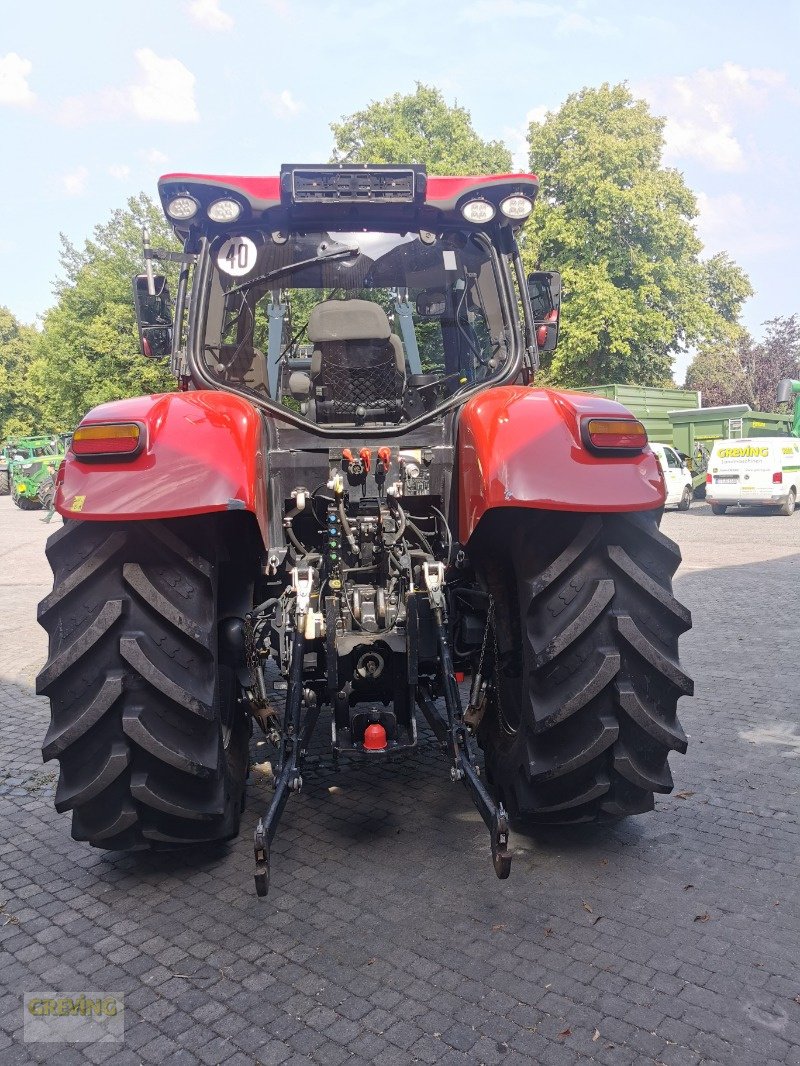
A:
{"points": [[368, 297]]}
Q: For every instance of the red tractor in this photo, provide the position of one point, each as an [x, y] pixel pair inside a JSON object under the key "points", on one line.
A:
{"points": [[355, 498]]}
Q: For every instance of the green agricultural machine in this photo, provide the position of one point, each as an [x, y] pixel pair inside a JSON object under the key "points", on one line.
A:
{"points": [[789, 393], [29, 474], [23, 449]]}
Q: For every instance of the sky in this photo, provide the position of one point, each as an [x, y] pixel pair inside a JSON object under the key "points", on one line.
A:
{"points": [[98, 98]]}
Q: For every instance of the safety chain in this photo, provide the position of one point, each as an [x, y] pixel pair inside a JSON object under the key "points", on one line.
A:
{"points": [[501, 717]]}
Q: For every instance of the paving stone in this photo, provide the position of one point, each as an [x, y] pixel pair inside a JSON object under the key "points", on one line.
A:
{"points": [[386, 938]]}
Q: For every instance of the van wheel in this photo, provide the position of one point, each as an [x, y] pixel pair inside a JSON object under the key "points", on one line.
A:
{"points": [[719, 508], [788, 505], [686, 499]]}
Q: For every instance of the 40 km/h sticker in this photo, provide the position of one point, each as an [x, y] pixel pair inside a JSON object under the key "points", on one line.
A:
{"points": [[237, 256]]}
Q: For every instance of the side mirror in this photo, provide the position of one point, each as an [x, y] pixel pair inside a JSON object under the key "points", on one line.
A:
{"points": [[431, 303], [153, 316], [544, 289], [785, 391]]}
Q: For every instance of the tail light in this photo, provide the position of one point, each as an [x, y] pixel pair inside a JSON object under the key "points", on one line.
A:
{"points": [[614, 434], [777, 477], [709, 479], [119, 440]]}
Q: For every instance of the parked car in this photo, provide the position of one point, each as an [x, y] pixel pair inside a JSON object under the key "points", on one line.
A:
{"points": [[677, 475]]}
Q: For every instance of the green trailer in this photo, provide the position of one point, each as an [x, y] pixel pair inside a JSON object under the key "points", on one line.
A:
{"points": [[650, 405], [694, 432]]}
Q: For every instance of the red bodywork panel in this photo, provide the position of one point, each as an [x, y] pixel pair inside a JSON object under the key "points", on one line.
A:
{"points": [[441, 193], [521, 447], [203, 452]]}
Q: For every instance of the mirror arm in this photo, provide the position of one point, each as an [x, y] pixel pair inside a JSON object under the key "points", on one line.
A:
{"points": [[531, 347]]}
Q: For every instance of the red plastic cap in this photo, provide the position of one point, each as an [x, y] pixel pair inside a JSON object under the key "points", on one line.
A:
{"points": [[460, 675], [375, 737]]}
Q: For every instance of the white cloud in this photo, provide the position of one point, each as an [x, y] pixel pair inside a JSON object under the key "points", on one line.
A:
{"points": [[280, 8], [725, 223], [163, 92], [516, 137], [73, 183], [209, 15], [702, 109], [283, 104], [560, 20], [715, 145], [14, 88], [120, 171]]}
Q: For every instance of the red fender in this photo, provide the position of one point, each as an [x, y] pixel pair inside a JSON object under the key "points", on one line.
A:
{"points": [[521, 447], [203, 451]]}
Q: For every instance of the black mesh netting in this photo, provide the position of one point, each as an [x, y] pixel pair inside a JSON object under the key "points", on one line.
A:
{"points": [[363, 376]]}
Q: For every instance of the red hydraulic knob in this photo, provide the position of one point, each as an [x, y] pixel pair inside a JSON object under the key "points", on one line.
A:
{"points": [[385, 456], [365, 455], [375, 737]]}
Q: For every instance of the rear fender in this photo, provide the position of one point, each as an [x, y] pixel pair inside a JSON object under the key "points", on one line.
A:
{"points": [[203, 452], [522, 447]]}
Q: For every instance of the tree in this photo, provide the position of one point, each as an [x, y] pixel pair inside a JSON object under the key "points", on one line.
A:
{"points": [[746, 371], [18, 406], [620, 228], [89, 349], [419, 127]]}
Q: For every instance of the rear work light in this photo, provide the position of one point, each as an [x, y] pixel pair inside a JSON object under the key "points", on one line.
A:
{"points": [[119, 440], [614, 434]]}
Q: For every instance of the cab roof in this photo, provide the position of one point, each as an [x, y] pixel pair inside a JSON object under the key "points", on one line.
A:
{"points": [[352, 194]]}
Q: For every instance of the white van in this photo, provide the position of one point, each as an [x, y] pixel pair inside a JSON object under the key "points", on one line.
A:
{"points": [[677, 476], [762, 471]]}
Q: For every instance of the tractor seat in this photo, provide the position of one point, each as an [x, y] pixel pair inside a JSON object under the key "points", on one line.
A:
{"points": [[358, 368]]}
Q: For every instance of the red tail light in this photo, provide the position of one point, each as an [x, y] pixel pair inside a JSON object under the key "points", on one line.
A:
{"points": [[709, 479], [121, 440], [777, 477], [617, 434]]}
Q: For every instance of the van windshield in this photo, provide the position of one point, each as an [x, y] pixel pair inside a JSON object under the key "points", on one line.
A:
{"points": [[354, 328]]}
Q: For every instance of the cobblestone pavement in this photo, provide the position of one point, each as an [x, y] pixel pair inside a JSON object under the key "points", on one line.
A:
{"points": [[672, 938]]}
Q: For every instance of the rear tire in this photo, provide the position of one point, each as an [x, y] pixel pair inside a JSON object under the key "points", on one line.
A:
{"points": [[788, 506], [719, 508], [583, 714], [152, 745]]}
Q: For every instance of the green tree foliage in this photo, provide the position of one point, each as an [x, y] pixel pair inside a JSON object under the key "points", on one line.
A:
{"points": [[746, 371], [420, 127], [18, 405], [89, 350], [620, 228]]}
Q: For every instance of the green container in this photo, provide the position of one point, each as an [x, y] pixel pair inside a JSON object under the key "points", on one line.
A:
{"points": [[707, 424], [650, 405]]}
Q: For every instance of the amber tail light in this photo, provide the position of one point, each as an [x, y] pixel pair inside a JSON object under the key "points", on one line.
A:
{"points": [[119, 440], [614, 434]]}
